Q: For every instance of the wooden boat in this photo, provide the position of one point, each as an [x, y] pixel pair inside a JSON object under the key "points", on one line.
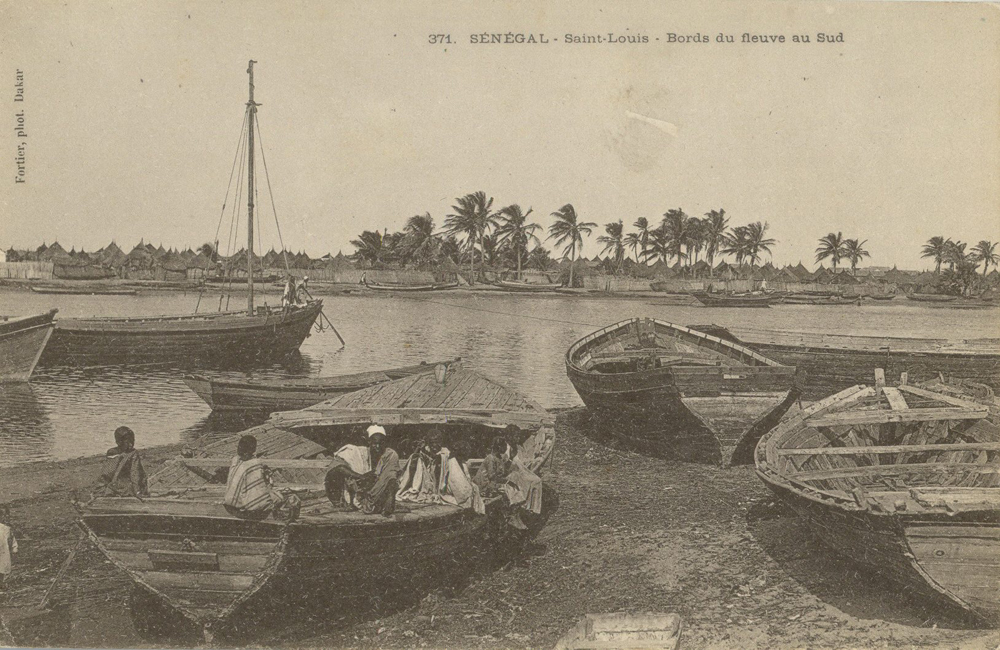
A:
{"points": [[835, 361], [930, 297], [255, 335], [664, 287], [903, 479], [820, 300], [716, 397], [528, 287], [22, 340], [287, 394], [886, 297], [624, 632], [736, 300], [204, 567], [85, 291], [393, 286]]}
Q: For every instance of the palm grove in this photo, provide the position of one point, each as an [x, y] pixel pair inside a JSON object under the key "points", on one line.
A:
{"points": [[482, 236], [479, 235]]}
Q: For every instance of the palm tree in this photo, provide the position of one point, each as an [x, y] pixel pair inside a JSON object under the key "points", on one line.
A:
{"points": [[832, 246], [642, 233], [714, 233], [659, 244], [736, 244], [419, 242], [954, 253], [370, 247], [935, 248], [632, 241], [676, 226], [516, 230], [986, 251], [614, 243], [472, 218], [696, 239], [568, 230], [855, 252], [539, 258], [756, 243]]}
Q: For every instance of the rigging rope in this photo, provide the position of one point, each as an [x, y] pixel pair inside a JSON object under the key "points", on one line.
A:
{"points": [[230, 186], [274, 209]]}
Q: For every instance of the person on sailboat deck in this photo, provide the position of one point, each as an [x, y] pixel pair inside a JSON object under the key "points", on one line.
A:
{"points": [[288, 298], [122, 473], [249, 492], [302, 293]]}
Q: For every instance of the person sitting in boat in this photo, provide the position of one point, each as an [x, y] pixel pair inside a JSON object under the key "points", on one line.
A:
{"points": [[418, 481], [456, 485], [249, 491], [122, 473], [302, 292], [351, 467], [380, 498], [492, 474], [288, 298]]}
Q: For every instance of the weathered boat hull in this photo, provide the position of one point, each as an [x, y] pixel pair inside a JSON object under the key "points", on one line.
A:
{"points": [[411, 287], [267, 396], [230, 338], [525, 287], [832, 362], [920, 553], [22, 342], [708, 413]]}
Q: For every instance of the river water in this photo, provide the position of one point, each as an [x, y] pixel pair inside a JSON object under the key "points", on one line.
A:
{"points": [[518, 340]]}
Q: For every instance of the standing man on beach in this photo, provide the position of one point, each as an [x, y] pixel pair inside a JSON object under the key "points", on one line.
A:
{"points": [[8, 546]]}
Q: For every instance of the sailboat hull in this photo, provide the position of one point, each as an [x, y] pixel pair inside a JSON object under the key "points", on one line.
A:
{"points": [[197, 339]]}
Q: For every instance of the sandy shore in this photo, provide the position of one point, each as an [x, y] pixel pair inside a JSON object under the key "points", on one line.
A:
{"points": [[630, 533]]}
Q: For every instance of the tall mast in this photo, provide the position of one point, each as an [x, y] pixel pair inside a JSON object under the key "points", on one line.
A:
{"points": [[252, 114]]}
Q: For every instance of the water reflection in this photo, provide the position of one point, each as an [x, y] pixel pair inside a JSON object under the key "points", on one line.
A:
{"points": [[25, 430]]}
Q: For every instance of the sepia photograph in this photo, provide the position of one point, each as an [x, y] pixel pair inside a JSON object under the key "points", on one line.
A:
{"points": [[568, 324]]}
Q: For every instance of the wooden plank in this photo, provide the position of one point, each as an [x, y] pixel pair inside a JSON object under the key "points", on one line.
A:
{"points": [[219, 547], [194, 580], [940, 397], [896, 400], [909, 415], [273, 463], [889, 470], [187, 559], [893, 449]]}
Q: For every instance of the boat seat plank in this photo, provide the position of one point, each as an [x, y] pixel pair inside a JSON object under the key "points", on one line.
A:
{"points": [[896, 399], [910, 468], [909, 415], [197, 581], [892, 449], [940, 397], [221, 547]]}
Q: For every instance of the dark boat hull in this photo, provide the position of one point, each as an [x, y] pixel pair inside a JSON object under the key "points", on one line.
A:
{"points": [[192, 340], [916, 552], [411, 287], [22, 342], [709, 300], [524, 287]]}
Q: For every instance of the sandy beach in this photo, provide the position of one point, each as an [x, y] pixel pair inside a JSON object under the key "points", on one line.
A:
{"points": [[630, 533]]}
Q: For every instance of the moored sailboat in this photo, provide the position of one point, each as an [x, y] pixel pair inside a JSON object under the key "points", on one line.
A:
{"points": [[22, 341], [258, 334]]}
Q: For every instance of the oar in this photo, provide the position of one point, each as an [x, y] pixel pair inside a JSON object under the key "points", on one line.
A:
{"points": [[343, 343]]}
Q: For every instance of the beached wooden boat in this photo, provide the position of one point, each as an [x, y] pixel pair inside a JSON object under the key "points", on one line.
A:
{"points": [[665, 287], [528, 287], [290, 393], [260, 334], [736, 300], [22, 340], [623, 632], [930, 297], [904, 479], [665, 387], [885, 298], [394, 286], [85, 291], [835, 361], [206, 570], [803, 299]]}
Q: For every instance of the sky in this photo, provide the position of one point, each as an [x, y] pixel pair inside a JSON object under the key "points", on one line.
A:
{"points": [[133, 111]]}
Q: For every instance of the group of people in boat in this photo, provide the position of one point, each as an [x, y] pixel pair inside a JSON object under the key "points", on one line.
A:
{"points": [[369, 478]]}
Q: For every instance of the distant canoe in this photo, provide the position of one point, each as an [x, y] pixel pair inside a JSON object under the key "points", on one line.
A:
{"points": [[528, 287], [930, 297], [668, 388], [885, 298], [735, 300], [903, 480], [835, 361], [85, 291], [378, 286], [269, 395], [22, 341], [820, 300], [664, 287]]}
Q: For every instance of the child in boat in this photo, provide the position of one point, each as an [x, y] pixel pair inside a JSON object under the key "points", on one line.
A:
{"points": [[249, 492], [122, 473], [8, 546]]}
